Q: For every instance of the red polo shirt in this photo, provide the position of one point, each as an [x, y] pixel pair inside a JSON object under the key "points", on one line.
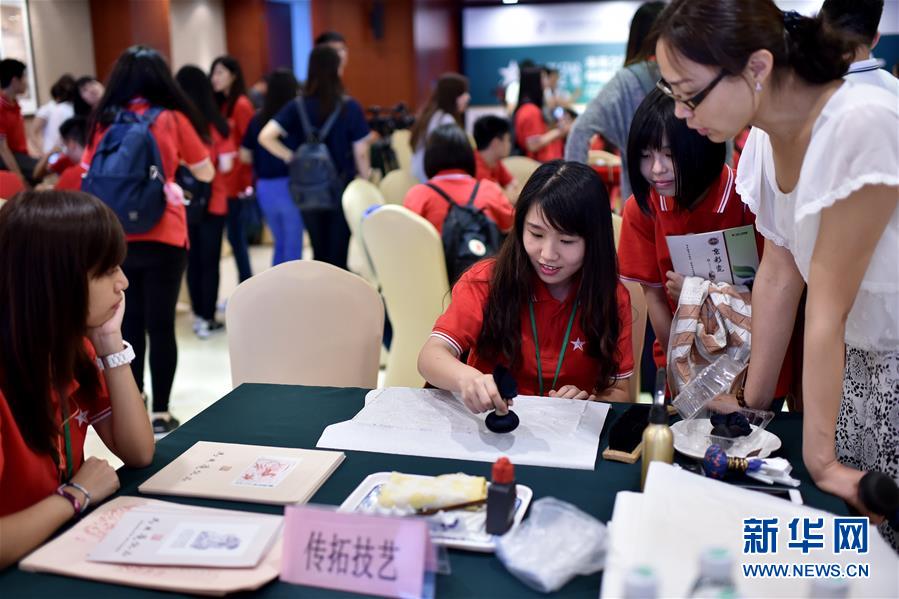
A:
{"points": [[27, 477], [178, 142], [10, 184], [70, 178], [12, 125], [529, 123], [461, 325], [458, 185], [499, 174], [218, 202], [241, 175]]}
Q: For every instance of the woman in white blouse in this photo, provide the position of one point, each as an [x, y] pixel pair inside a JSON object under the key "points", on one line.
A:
{"points": [[821, 172]]}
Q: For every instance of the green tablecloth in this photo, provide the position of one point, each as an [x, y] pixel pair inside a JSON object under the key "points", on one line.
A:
{"points": [[288, 416]]}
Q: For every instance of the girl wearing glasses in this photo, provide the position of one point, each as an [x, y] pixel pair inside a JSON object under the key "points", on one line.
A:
{"points": [[681, 186], [819, 172], [549, 306]]}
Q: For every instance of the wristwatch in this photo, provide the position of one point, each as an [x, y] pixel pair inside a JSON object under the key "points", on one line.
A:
{"points": [[126, 356]]}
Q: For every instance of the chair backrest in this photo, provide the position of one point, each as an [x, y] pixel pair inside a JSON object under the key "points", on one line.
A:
{"points": [[358, 197], [400, 141], [408, 258], [395, 185], [521, 167], [305, 323], [638, 310]]}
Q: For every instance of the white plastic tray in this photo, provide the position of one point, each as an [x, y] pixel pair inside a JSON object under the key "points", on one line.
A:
{"points": [[457, 529]]}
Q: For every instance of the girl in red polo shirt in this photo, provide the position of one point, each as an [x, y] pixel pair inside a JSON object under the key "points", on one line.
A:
{"points": [[532, 134], [52, 384], [681, 185], [206, 233], [549, 306], [156, 260], [227, 80], [450, 167]]}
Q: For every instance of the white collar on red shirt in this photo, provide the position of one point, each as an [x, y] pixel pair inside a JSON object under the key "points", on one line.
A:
{"points": [[7, 102], [450, 175], [668, 203]]}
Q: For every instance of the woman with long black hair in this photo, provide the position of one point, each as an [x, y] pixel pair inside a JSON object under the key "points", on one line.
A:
{"points": [[347, 143], [549, 302], [63, 364], [141, 80], [230, 89], [534, 137], [446, 106], [206, 233]]}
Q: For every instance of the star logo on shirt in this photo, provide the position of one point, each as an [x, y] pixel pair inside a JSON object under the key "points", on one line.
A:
{"points": [[81, 417], [578, 344]]}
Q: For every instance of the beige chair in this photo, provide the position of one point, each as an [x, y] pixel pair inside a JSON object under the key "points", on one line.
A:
{"points": [[305, 323], [638, 310], [400, 142], [408, 258], [521, 167], [395, 185], [358, 197]]}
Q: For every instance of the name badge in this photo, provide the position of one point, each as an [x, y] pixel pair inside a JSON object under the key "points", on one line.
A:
{"points": [[375, 555]]}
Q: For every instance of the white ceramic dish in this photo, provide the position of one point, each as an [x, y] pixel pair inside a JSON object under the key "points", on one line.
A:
{"points": [[691, 438], [458, 529]]}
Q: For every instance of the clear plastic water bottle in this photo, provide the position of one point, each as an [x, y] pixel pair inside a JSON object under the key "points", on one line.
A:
{"points": [[715, 575], [829, 588], [640, 583], [717, 378]]}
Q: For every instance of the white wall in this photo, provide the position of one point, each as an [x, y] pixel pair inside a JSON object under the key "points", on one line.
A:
{"points": [[197, 29], [62, 41]]}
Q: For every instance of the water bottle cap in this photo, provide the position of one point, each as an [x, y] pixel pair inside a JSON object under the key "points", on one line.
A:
{"points": [[640, 583], [716, 563]]}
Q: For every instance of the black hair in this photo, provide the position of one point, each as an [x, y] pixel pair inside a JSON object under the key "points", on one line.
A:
{"points": [[51, 244], [573, 200], [142, 72], [82, 108], [725, 33], [697, 161], [489, 127], [323, 79], [641, 41], [860, 17], [238, 86], [10, 69], [329, 37], [195, 85], [444, 98], [282, 87], [530, 89], [74, 129], [448, 148], [64, 89]]}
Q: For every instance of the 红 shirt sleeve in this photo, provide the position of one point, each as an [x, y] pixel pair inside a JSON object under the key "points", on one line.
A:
{"points": [[625, 353], [637, 259], [460, 325]]}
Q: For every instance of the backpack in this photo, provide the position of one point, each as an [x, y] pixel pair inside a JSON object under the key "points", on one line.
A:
{"points": [[314, 181], [468, 234], [196, 194], [126, 171]]}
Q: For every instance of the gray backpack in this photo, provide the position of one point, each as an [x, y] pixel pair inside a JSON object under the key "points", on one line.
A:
{"points": [[314, 180]]}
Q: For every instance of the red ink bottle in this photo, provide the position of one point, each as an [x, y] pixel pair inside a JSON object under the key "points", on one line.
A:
{"points": [[501, 497]]}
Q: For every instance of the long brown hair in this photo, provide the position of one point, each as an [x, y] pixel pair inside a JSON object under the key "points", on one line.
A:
{"points": [[323, 79], [448, 89], [573, 199], [51, 244]]}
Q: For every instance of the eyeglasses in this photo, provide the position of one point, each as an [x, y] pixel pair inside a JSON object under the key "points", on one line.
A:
{"points": [[693, 102]]}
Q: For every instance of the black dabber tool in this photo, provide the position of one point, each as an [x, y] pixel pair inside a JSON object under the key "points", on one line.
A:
{"points": [[880, 494], [508, 389]]}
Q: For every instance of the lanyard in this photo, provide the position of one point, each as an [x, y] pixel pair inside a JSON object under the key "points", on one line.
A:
{"points": [[537, 344], [68, 442]]}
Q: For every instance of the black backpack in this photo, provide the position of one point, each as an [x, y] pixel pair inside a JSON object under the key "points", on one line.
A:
{"points": [[468, 234], [314, 180], [196, 194]]}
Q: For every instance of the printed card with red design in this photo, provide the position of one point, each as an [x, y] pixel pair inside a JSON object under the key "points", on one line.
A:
{"points": [[266, 471]]}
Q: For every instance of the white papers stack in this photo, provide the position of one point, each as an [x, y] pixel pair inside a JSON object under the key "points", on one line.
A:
{"points": [[680, 514], [561, 433], [194, 537]]}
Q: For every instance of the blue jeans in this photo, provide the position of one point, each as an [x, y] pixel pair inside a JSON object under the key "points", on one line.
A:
{"points": [[237, 237], [283, 217]]}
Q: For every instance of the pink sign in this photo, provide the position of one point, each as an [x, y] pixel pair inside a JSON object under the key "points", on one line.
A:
{"points": [[354, 552]]}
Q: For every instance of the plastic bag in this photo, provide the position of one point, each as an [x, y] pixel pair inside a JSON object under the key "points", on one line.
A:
{"points": [[555, 543]]}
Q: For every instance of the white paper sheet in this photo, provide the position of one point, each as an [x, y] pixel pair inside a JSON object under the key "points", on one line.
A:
{"points": [[680, 514], [190, 538], [561, 433]]}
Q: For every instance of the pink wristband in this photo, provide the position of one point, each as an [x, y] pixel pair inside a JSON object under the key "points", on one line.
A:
{"points": [[71, 498]]}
